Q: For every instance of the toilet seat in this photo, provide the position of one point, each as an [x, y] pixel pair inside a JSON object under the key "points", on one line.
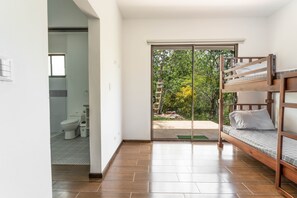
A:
{"points": [[70, 121]]}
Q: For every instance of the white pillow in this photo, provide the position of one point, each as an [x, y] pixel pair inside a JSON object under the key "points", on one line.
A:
{"points": [[252, 119]]}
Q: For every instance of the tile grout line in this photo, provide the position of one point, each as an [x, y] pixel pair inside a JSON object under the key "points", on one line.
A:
{"points": [[248, 188], [177, 177], [197, 187], [99, 187], [134, 174], [77, 195]]}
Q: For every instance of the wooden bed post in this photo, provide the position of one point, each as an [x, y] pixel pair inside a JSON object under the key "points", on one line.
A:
{"points": [[270, 67], [270, 75], [221, 102], [269, 101]]}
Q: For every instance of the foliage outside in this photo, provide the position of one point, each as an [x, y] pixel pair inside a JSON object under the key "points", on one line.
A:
{"points": [[174, 68]]}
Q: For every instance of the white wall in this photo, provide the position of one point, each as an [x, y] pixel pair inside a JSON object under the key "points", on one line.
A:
{"points": [[95, 95], [64, 13], [109, 83], [24, 103], [282, 36], [283, 42], [136, 57], [77, 72]]}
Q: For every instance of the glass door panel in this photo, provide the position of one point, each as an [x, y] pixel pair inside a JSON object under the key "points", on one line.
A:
{"points": [[172, 92], [206, 90], [177, 71]]}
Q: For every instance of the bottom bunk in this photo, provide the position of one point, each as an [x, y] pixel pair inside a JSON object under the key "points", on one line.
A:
{"points": [[262, 145]]}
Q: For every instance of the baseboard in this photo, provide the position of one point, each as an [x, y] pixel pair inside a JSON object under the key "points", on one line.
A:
{"points": [[111, 160], [101, 175], [95, 175]]}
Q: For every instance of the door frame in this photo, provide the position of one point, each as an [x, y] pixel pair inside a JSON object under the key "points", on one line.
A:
{"points": [[235, 45]]}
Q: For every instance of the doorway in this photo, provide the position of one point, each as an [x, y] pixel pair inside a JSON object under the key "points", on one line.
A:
{"points": [[69, 96], [185, 91]]}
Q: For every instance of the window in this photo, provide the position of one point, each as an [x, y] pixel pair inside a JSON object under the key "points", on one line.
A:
{"points": [[56, 65]]}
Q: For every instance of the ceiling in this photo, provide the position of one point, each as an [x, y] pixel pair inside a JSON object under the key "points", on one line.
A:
{"points": [[198, 8]]}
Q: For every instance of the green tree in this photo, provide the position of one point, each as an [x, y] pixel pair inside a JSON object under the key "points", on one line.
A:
{"points": [[174, 68]]}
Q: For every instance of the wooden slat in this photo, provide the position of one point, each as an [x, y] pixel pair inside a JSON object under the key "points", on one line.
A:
{"points": [[284, 192], [290, 75], [245, 81], [288, 165], [246, 65], [291, 84], [256, 57], [290, 174], [288, 134], [290, 105], [233, 107], [252, 86], [253, 104], [247, 73]]}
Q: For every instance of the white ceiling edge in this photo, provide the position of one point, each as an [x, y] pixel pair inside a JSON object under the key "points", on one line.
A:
{"points": [[187, 9]]}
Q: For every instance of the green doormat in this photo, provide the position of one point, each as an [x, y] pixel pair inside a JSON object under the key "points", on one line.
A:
{"points": [[188, 137]]}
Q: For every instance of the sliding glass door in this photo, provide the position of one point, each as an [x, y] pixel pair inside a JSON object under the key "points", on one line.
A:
{"points": [[206, 90], [172, 92], [185, 87]]}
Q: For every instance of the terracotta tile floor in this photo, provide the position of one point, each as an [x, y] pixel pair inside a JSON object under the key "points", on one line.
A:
{"points": [[171, 170]]}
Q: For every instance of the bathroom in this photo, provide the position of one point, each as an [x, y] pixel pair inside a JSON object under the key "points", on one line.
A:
{"points": [[69, 95]]}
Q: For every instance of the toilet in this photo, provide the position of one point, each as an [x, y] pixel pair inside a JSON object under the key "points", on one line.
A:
{"points": [[71, 126]]}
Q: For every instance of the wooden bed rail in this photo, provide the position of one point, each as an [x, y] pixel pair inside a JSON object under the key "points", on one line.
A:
{"points": [[231, 72], [239, 106], [245, 65]]}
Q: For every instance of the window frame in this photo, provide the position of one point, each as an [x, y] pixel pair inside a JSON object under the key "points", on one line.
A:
{"points": [[50, 75]]}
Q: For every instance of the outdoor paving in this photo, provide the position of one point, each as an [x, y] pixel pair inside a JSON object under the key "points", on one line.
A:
{"points": [[170, 129]]}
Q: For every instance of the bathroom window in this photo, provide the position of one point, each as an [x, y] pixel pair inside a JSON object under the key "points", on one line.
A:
{"points": [[56, 65]]}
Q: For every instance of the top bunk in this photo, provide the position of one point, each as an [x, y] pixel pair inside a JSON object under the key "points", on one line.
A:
{"points": [[250, 74]]}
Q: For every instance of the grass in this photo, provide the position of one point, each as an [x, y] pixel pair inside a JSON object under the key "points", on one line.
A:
{"points": [[161, 118]]}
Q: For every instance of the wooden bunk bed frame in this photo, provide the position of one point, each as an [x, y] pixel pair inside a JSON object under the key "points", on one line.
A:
{"points": [[270, 84]]}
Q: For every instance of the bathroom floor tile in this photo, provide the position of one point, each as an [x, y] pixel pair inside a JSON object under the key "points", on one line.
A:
{"points": [[65, 152]]}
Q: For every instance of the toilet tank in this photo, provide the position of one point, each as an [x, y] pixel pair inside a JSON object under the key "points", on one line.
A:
{"points": [[79, 115]]}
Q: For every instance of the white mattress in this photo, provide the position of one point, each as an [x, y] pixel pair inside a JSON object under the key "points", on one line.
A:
{"points": [[266, 142]]}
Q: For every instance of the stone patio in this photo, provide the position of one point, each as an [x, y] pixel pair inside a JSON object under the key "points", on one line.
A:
{"points": [[170, 129]]}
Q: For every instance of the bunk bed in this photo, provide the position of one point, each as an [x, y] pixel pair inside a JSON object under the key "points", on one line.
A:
{"points": [[267, 146]]}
